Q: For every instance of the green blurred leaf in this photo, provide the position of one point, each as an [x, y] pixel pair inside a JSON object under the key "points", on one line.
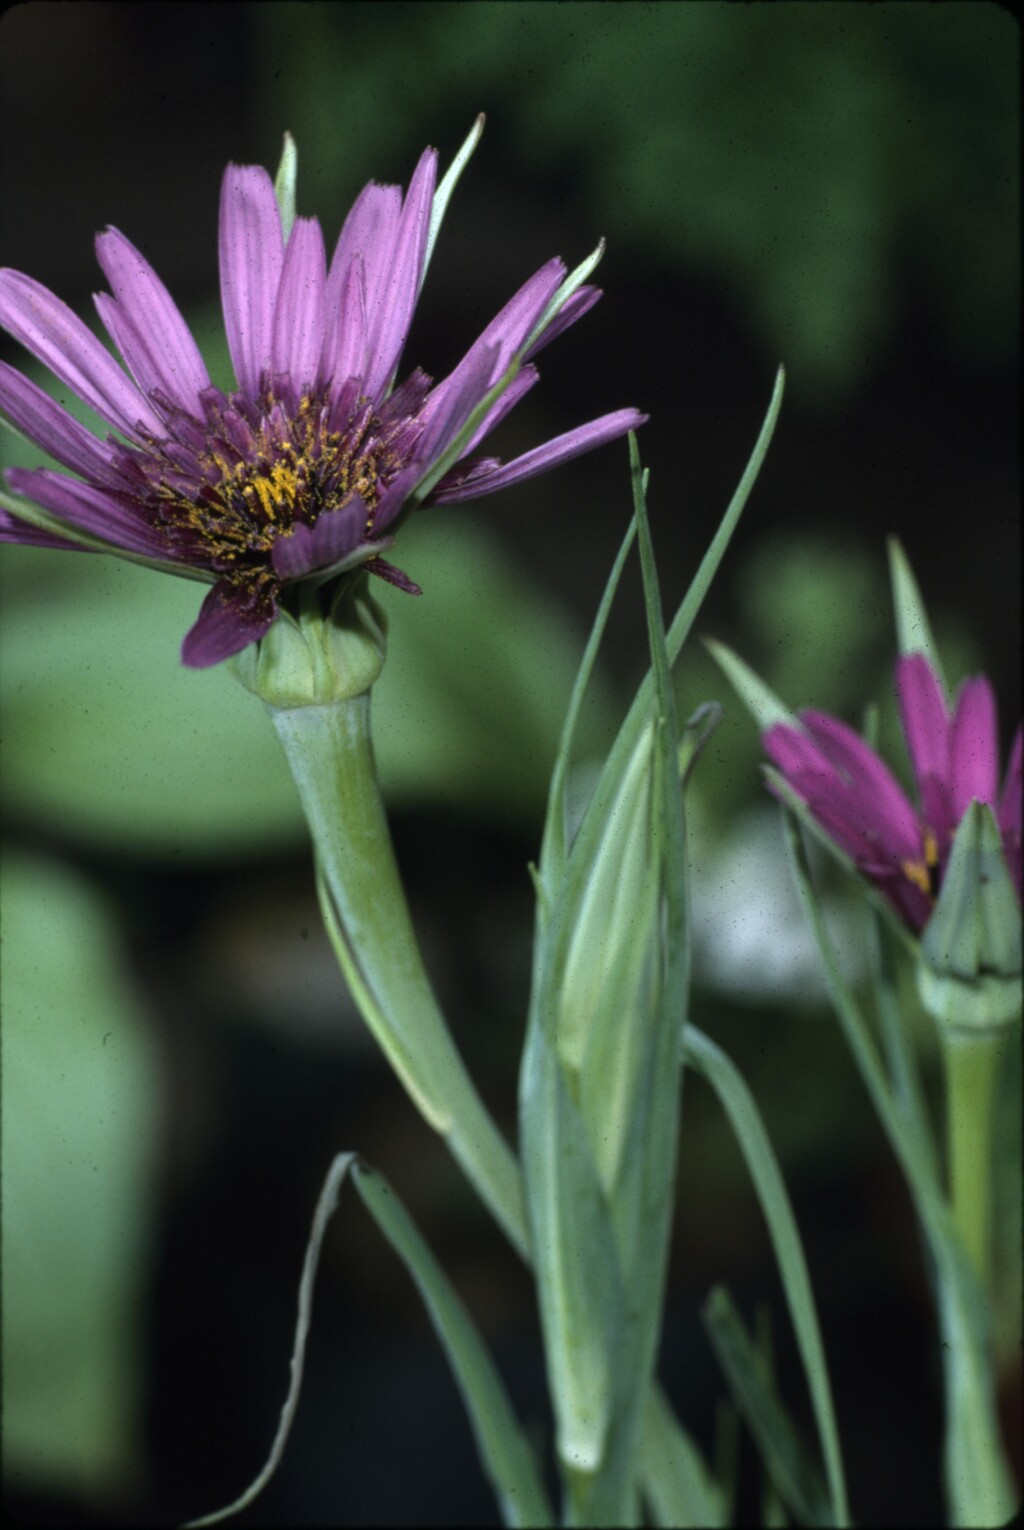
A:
{"points": [[760, 701], [678, 1487], [790, 1469], [913, 629], [108, 735], [80, 1112]]}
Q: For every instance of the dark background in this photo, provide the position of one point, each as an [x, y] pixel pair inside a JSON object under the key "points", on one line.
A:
{"points": [[832, 186]]}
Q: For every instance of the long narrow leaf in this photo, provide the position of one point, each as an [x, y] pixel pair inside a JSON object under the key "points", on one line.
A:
{"points": [[639, 712], [899, 1046], [442, 196], [555, 843], [504, 1450], [760, 701], [793, 1474], [919, 1172], [709, 1059]]}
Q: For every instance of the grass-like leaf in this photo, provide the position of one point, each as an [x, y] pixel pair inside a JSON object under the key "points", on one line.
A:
{"points": [[504, 1450], [791, 1471], [703, 1054]]}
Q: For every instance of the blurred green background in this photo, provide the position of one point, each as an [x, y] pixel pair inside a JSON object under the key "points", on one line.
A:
{"points": [[832, 186]]}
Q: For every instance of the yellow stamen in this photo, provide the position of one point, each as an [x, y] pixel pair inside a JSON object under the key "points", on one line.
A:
{"points": [[923, 873]]}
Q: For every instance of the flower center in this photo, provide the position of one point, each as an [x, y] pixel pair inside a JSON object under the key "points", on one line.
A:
{"points": [[924, 874], [225, 496]]}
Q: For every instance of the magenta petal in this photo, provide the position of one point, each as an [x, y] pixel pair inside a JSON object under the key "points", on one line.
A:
{"points": [[20, 532], [574, 442], [791, 750], [299, 316], [165, 355], [58, 338], [332, 538], [926, 728], [870, 780], [974, 747], [223, 628], [50, 426], [251, 248], [93, 510], [390, 312]]}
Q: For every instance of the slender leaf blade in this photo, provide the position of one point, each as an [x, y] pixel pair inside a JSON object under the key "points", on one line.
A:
{"points": [[792, 1472], [703, 1054]]}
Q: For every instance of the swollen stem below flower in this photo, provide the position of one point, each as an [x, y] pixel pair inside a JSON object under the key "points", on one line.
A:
{"points": [[330, 752]]}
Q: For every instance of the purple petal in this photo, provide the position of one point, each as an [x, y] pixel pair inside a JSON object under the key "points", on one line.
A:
{"points": [[330, 539], [299, 315], [581, 302], [392, 575], [43, 420], [225, 625], [58, 338], [872, 783], [974, 747], [516, 390], [583, 439], [369, 232], [441, 427], [20, 532], [390, 311], [251, 248], [926, 728], [162, 352], [505, 334], [831, 774], [343, 354], [91, 509]]}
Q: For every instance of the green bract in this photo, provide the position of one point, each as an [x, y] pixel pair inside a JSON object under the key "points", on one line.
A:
{"points": [[320, 655], [969, 971]]}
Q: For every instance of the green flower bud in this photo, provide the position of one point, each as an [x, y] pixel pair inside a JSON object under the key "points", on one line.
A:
{"points": [[969, 968], [319, 655]]}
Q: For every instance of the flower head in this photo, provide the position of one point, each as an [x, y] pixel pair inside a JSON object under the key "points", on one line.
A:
{"points": [[303, 471], [858, 802]]}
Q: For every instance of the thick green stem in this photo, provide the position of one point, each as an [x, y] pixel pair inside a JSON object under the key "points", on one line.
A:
{"points": [[972, 1064], [979, 1486], [330, 753]]}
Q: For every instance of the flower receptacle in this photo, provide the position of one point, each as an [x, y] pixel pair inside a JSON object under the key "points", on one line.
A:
{"points": [[333, 649]]}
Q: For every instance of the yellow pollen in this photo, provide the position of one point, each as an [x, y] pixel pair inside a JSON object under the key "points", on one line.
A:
{"points": [[922, 873]]}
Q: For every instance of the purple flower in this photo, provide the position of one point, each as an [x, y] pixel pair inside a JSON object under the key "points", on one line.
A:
{"points": [[304, 470], [860, 805]]}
